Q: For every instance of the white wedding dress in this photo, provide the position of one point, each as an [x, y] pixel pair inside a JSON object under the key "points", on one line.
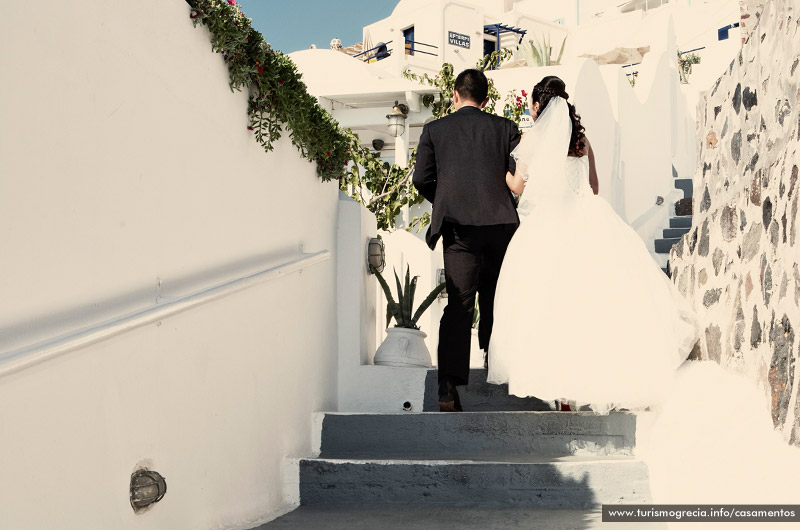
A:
{"points": [[582, 311]]}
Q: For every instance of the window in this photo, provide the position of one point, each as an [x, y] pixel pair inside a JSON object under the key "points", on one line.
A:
{"points": [[489, 47], [408, 36]]}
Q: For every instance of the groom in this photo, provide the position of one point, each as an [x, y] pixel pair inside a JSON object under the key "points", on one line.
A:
{"points": [[461, 167]]}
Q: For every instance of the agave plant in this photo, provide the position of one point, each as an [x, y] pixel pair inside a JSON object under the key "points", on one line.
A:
{"points": [[401, 310], [539, 53]]}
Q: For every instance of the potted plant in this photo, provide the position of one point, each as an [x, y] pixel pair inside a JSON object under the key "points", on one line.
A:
{"points": [[405, 343]]}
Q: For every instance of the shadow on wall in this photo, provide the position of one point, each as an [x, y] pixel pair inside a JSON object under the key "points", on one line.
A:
{"points": [[50, 325]]}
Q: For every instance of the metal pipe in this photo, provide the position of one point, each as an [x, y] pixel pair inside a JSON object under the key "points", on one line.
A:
{"points": [[22, 358]]}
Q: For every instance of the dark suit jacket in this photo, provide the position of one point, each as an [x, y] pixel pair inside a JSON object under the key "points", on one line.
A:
{"points": [[461, 167]]}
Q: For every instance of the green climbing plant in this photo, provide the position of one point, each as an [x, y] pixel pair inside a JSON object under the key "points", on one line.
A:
{"points": [[278, 100]]}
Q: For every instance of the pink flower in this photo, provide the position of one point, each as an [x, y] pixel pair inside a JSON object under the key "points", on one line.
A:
{"points": [[524, 94], [281, 82], [260, 69], [328, 154], [231, 2], [250, 128]]}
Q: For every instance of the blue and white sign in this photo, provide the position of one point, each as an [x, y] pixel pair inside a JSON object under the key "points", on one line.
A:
{"points": [[458, 39], [527, 120]]}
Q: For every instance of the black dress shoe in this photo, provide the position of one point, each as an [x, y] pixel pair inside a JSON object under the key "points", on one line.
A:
{"points": [[448, 398]]}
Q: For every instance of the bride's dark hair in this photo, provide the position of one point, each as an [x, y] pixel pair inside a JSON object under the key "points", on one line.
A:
{"points": [[543, 92]]}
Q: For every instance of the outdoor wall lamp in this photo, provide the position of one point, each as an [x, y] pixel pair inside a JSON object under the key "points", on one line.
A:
{"points": [[376, 255], [147, 487], [440, 279], [397, 119]]}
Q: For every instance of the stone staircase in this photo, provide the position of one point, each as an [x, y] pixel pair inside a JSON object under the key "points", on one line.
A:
{"points": [[507, 462], [679, 224]]}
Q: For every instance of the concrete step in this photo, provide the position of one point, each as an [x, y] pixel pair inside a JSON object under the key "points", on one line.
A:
{"points": [[447, 436], [479, 396], [564, 482], [686, 186], [675, 232], [350, 517], [684, 221], [663, 246]]}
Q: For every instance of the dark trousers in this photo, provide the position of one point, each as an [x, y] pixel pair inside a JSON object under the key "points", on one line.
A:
{"points": [[472, 259]]}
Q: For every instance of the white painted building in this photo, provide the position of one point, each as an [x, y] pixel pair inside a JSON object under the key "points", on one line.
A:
{"points": [[422, 34]]}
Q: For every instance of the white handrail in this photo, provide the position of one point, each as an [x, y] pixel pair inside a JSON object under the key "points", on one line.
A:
{"points": [[25, 357]]}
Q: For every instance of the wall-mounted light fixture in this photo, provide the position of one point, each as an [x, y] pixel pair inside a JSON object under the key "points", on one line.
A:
{"points": [[147, 487], [376, 255], [440, 279], [397, 119]]}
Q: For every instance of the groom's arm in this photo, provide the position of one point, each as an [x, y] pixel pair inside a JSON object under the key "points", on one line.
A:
{"points": [[424, 178]]}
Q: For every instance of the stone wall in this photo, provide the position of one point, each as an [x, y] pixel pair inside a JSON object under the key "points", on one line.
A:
{"points": [[749, 10], [740, 263]]}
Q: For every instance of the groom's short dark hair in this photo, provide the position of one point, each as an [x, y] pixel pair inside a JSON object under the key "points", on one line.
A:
{"points": [[472, 85]]}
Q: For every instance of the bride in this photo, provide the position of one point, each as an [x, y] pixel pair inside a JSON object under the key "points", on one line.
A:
{"points": [[582, 311]]}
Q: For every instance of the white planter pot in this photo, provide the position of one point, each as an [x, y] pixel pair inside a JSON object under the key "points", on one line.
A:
{"points": [[403, 347]]}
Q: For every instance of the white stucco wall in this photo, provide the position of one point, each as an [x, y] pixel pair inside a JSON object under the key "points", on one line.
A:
{"points": [[125, 164], [361, 313]]}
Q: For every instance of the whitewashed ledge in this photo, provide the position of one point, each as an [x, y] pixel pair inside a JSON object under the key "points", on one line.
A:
{"points": [[28, 356]]}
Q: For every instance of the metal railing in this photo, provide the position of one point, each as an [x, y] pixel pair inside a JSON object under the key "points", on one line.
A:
{"points": [[381, 51], [694, 50], [411, 48], [22, 358]]}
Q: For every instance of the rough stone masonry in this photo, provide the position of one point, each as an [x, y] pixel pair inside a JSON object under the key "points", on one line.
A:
{"points": [[740, 263]]}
